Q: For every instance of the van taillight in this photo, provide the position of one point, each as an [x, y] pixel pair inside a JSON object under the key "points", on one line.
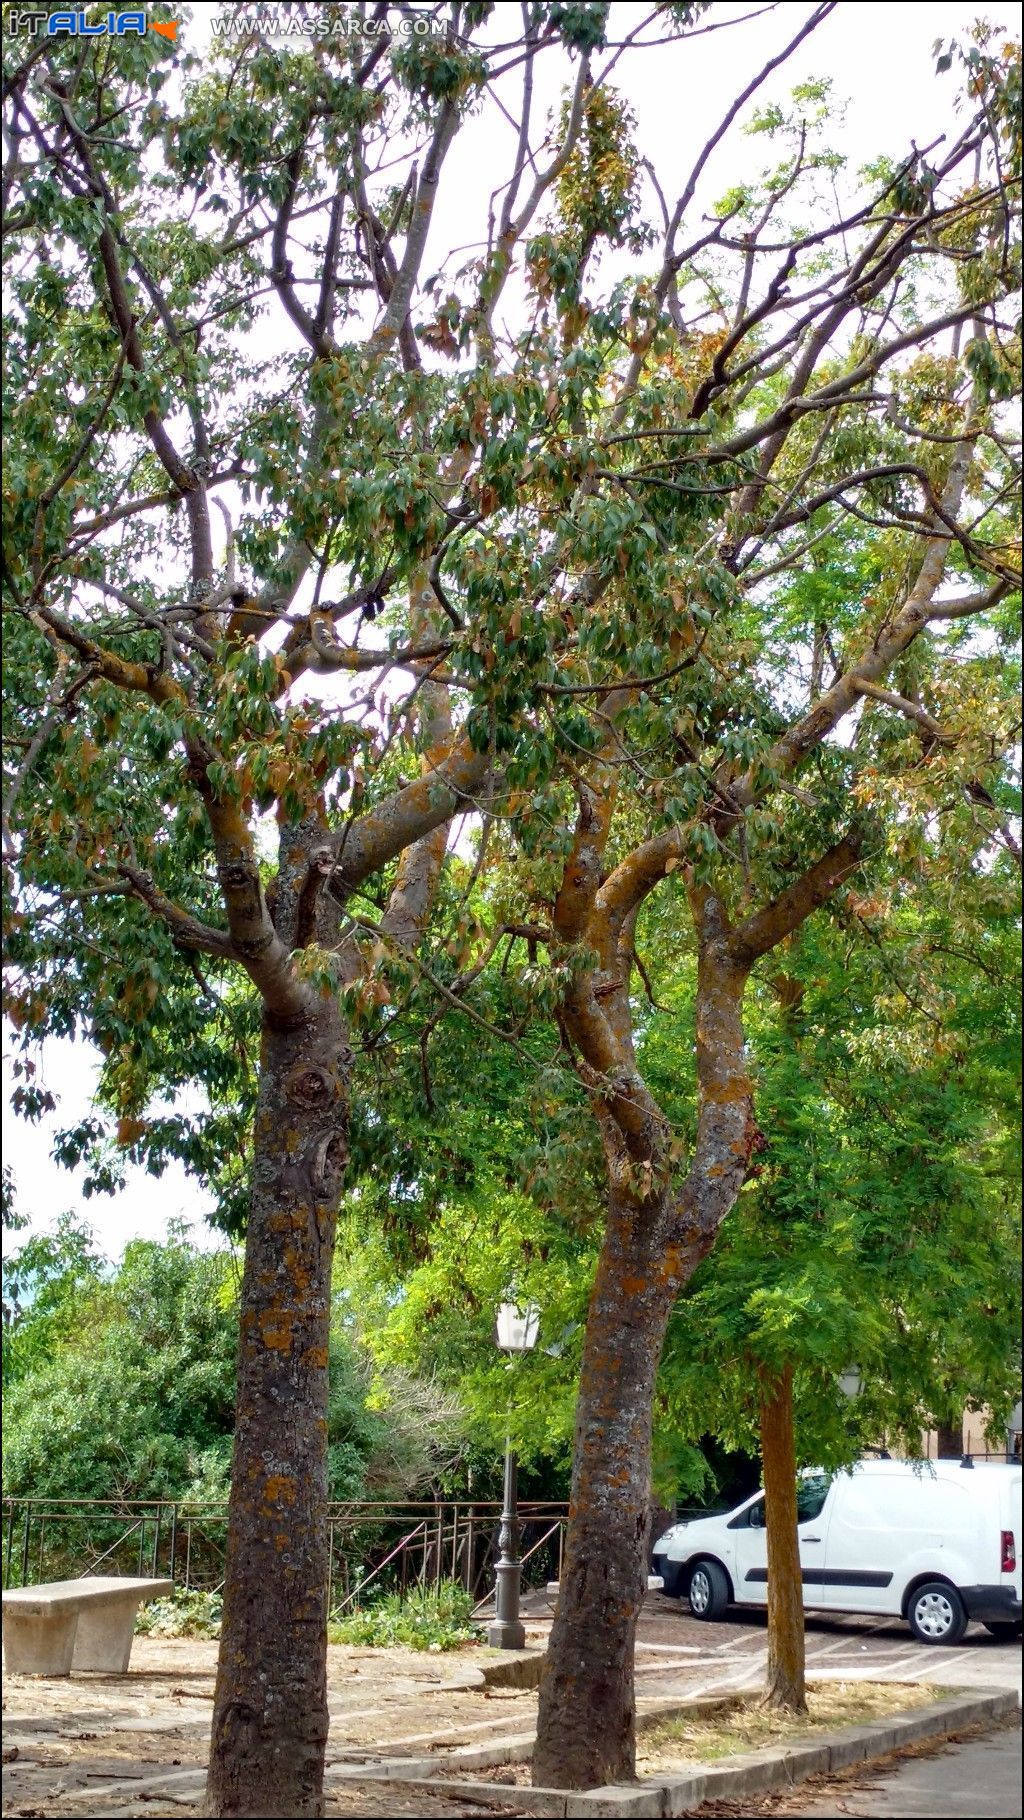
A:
{"points": [[1008, 1562]]}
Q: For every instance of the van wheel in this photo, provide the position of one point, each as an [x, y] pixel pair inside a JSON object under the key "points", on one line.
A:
{"points": [[1005, 1630], [672, 1576], [936, 1613], [709, 1591]]}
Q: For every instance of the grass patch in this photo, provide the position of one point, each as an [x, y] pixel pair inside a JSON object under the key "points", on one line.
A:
{"points": [[428, 1617], [705, 1737]]}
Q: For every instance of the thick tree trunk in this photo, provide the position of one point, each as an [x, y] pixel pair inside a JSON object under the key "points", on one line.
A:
{"points": [[270, 1710], [949, 1439], [586, 1733], [785, 1686], [586, 1724]]}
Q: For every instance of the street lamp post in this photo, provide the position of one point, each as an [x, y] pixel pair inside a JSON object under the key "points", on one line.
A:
{"points": [[517, 1333]]}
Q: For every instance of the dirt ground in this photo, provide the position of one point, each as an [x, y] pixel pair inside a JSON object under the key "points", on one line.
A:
{"points": [[97, 1745], [90, 1746]]}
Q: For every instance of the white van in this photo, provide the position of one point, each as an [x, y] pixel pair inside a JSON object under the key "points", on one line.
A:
{"points": [[934, 1542]]}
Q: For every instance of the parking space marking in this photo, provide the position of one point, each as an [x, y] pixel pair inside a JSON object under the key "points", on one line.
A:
{"points": [[674, 1649]]}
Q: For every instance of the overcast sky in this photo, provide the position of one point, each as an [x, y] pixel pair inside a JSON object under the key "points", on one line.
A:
{"points": [[879, 57]]}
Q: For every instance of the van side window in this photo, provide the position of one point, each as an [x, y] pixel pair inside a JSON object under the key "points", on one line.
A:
{"points": [[810, 1496]]}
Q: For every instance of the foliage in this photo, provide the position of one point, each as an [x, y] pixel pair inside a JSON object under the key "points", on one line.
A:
{"points": [[431, 1618], [190, 1613], [685, 562], [45, 1281], [881, 1227], [129, 1387], [122, 1382], [601, 462]]}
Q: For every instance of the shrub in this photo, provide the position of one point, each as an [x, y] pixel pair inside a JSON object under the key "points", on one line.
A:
{"points": [[183, 1614], [434, 1618]]}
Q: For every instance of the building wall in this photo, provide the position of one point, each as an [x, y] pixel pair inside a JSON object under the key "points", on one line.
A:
{"points": [[976, 1442]]}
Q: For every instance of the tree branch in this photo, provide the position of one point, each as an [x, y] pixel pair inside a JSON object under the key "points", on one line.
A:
{"points": [[769, 926], [187, 930]]}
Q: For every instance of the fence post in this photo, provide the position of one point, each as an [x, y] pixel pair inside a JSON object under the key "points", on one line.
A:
{"points": [[174, 1541], [467, 1571], [156, 1540], [24, 1544], [10, 1543]]}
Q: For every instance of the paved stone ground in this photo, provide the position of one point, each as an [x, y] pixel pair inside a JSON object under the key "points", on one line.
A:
{"points": [[977, 1780], [974, 1778], [97, 1745]]}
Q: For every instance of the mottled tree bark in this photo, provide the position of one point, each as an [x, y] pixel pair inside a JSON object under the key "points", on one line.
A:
{"points": [[586, 1727], [590, 1654], [785, 1687], [655, 1237], [270, 1710]]}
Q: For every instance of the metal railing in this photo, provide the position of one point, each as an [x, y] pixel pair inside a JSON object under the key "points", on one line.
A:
{"points": [[374, 1545]]}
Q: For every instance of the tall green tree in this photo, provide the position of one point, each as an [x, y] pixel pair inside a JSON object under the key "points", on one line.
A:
{"points": [[760, 781], [890, 1242], [252, 444], [574, 537], [119, 1382]]}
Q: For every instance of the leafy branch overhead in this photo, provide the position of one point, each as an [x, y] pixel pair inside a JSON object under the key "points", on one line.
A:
{"points": [[608, 496]]}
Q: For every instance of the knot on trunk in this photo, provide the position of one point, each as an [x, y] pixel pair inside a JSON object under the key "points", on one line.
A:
{"points": [[233, 874], [329, 1163], [310, 1086]]}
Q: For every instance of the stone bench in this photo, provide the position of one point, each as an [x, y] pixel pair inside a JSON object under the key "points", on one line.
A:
{"points": [[71, 1624]]}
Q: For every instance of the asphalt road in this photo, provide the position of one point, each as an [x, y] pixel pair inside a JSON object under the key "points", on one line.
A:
{"points": [[977, 1780], [680, 1654], [675, 1649]]}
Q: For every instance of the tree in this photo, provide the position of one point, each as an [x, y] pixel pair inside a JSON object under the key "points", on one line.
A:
{"points": [[892, 1244], [126, 1377], [183, 811], [120, 1382], [567, 535], [42, 1279], [715, 763]]}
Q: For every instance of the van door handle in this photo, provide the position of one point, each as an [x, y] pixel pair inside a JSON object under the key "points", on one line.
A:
{"points": [[810, 1538]]}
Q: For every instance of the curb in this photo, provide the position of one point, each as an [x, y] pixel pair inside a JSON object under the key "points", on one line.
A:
{"points": [[779, 1768], [517, 1747], [516, 1668]]}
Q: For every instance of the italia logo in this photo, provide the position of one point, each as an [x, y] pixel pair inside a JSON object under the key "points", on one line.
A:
{"points": [[79, 25]]}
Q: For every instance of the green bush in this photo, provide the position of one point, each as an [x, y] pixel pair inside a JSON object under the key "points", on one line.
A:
{"points": [[183, 1614], [434, 1618], [120, 1383]]}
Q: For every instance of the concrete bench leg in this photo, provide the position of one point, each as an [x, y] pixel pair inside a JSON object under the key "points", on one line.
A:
{"points": [[105, 1633], [34, 1645]]}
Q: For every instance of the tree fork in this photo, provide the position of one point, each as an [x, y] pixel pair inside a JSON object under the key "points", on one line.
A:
{"points": [[270, 1707]]}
